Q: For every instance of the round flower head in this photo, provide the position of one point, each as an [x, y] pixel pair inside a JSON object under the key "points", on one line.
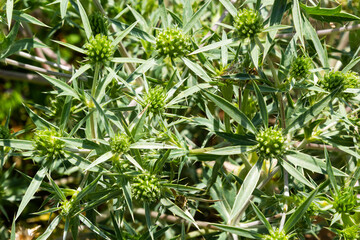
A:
{"points": [[276, 235], [172, 42], [300, 68], [120, 143], [98, 23], [248, 23], [350, 233], [155, 99], [4, 132], [48, 145], [271, 143], [99, 49], [345, 201], [146, 188]]}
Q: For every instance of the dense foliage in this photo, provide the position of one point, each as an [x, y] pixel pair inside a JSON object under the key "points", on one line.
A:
{"points": [[181, 120]]}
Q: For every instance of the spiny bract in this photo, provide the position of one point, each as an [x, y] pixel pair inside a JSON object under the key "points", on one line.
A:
{"points": [[98, 23], [345, 201], [300, 68], [336, 79], [248, 23], [4, 132], [276, 235], [172, 42], [271, 143], [48, 145], [146, 188], [120, 143], [99, 49], [155, 99]]}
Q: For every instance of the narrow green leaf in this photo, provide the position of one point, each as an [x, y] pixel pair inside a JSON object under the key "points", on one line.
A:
{"points": [[30, 191], [262, 105], [148, 219], [232, 111], [296, 174], [310, 163], [39, 121], [88, 189], [127, 60], [22, 44], [151, 145], [24, 17], [79, 72], [163, 15], [330, 172], [17, 144], [298, 21], [56, 188], [133, 161], [246, 190], [138, 129], [238, 231], [92, 227], [309, 114], [13, 230], [197, 69], [85, 21], [188, 92], [52, 226], [351, 64], [63, 8], [9, 11], [100, 159], [66, 228], [159, 164], [126, 187], [261, 216], [229, 7], [65, 113], [195, 17], [67, 90], [141, 69], [178, 211], [123, 34], [214, 45], [231, 150], [103, 118], [75, 48]]}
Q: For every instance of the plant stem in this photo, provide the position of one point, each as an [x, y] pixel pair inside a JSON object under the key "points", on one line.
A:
{"points": [[93, 93]]}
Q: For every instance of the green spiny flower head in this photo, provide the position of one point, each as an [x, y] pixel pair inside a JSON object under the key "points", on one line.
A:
{"points": [[277, 235], [98, 23], [345, 201], [350, 233], [172, 42], [146, 188], [333, 80], [99, 49], [271, 142], [48, 145], [4, 132], [113, 11], [120, 143], [248, 23], [300, 68], [155, 98]]}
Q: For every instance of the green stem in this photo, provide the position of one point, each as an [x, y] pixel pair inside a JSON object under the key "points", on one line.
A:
{"points": [[93, 93], [227, 92]]}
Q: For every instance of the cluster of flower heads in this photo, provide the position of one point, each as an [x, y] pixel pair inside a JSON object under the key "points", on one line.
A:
{"points": [[248, 23], [172, 42], [99, 49], [300, 68], [271, 142], [276, 235], [120, 143], [98, 24], [146, 188], [345, 201], [48, 144], [4, 132], [336, 79], [155, 99]]}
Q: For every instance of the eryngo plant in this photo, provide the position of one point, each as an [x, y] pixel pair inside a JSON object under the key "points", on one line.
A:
{"points": [[170, 116]]}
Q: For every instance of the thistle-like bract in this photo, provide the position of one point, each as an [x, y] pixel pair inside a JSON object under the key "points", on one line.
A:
{"points": [[120, 143], [155, 99], [172, 42], [99, 49], [336, 79], [345, 201], [4, 132], [276, 235], [48, 145], [146, 188], [271, 142], [248, 23], [98, 23], [300, 68]]}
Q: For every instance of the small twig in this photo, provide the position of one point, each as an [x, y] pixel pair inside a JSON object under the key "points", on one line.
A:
{"points": [[317, 146], [42, 60], [27, 77], [34, 68], [324, 31]]}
